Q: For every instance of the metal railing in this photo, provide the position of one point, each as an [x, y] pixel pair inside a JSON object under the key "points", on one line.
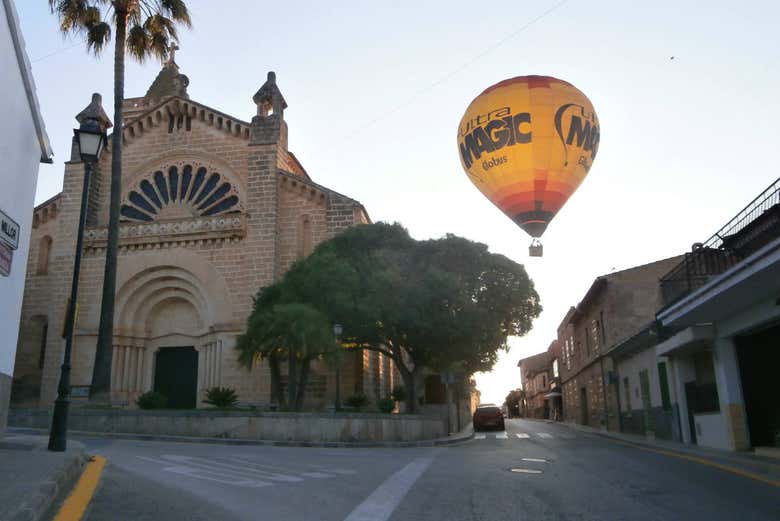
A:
{"points": [[753, 227]]}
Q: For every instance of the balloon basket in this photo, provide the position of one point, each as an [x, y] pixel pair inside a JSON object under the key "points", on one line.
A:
{"points": [[535, 249]]}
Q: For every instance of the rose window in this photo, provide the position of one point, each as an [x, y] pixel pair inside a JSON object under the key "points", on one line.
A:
{"points": [[180, 194]]}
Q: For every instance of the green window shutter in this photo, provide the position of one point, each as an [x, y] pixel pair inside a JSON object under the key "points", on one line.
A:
{"points": [[665, 401]]}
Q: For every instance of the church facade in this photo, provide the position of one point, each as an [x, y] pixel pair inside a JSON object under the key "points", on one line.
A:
{"points": [[213, 208]]}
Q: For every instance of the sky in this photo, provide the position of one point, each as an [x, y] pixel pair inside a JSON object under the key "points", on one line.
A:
{"points": [[376, 90]]}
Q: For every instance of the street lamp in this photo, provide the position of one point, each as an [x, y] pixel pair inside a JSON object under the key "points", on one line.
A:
{"points": [[337, 330], [91, 139]]}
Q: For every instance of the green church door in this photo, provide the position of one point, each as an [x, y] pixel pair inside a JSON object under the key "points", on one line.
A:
{"points": [[176, 376]]}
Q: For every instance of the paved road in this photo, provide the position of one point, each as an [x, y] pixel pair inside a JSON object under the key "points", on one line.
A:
{"points": [[567, 475]]}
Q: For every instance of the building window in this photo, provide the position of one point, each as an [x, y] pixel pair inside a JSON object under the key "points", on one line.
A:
{"points": [[44, 252], [587, 342], [594, 335], [544, 381], [306, 239], [664, 383], [627, 389], [555, 368]]}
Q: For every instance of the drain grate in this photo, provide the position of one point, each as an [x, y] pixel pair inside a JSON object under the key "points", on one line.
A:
{"points": [[525, 471]]}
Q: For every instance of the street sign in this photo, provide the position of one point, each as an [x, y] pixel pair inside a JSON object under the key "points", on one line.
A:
{"points": [[9, 231], [6, 258]]}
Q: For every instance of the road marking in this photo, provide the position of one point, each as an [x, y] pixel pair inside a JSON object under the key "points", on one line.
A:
{"points": [[526, 471], [224, 468], [383, 501], [703, 461], [502, 436], [544, 435], [300, 468], [535, 460], [74, 507], [207, 475], [479, 436], [522, 435]]}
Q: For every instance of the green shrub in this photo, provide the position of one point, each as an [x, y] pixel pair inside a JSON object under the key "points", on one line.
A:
{"points": [[399, 393], [152, 400], [221, 397], [386, 405], [358, 401]]}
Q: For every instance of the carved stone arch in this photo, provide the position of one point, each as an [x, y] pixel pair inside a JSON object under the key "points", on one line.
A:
{"points": [[182, 185], [192, 271]]}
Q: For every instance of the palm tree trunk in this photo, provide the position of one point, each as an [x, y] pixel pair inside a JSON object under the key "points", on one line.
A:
{"points": [[101, 372], [276, 382], [302, 381]]}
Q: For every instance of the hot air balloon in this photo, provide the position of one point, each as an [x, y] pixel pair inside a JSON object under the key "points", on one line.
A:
{"points": [[527, 143]]}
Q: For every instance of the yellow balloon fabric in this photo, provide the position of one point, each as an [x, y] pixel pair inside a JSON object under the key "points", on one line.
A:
{"points": [[527, 143]]}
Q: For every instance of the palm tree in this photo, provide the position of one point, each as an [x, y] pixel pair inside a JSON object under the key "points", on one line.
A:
{"points": [[142, 28]]}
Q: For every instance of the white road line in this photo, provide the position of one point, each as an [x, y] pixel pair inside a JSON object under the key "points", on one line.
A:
{"points": [[222, 468], [502, 436], [522, 435], [383, 501], [479, 436], [204, 474], [294, 467], [544, 435]]}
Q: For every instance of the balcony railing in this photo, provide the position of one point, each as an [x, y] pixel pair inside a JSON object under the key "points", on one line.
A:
{"points": [[753, 227]]}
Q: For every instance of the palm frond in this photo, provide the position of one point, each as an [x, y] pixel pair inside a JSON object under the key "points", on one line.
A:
{"points": [[138, 42], [98, 36], [177, 11]]}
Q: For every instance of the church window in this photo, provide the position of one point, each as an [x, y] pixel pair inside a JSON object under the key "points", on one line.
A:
{"points": [[306, 240], [170, 123], [200, 175], [159, 181], [203, 194], [148, 190], [44, 252], [186, 177], [173, 176]]}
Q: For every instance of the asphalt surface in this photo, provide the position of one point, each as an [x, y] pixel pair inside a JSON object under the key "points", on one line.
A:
{"points": [[565, 475]]}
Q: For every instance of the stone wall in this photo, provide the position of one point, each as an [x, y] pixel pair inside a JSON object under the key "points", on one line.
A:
{"points": [[301, 427]]}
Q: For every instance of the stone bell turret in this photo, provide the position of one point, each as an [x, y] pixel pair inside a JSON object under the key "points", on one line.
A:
{"points": [[169, 81], [268, 126]]}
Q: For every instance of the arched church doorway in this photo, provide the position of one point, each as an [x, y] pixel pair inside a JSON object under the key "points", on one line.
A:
{"points": [[176, 376]]}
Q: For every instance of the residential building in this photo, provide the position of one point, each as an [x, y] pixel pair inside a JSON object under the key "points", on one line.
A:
{"points": [[615, 306], [720, 331], [214, 207], [536, 378], [23, 146]]}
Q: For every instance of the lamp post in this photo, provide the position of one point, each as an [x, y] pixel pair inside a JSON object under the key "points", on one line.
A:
{"points": [[91, 139], [337, 330]]}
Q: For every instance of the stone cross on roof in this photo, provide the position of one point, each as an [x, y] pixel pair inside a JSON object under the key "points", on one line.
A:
{"points": [[171, 60]]}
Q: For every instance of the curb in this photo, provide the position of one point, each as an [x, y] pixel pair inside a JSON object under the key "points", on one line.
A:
{"points": [[438, 442], [40, 504], [769, 469]]}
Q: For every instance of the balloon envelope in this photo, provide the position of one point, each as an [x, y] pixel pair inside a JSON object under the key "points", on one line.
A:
{"points": [[527, 143]]}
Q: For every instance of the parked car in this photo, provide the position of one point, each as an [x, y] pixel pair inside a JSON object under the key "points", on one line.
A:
{"points": [[488, 416]]}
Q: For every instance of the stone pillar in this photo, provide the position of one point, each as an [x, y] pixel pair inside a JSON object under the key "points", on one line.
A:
{"points": [[732, 403]]}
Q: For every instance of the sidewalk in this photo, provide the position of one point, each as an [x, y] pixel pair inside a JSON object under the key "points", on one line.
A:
{"points": [[32, 479], [765, 466], [464, 435]]}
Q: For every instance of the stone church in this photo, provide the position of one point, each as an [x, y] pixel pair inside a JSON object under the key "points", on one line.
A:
{"points": [[213, 208]]}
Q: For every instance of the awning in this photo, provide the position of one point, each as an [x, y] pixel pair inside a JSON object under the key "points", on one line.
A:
{"points": [[554, 394]]}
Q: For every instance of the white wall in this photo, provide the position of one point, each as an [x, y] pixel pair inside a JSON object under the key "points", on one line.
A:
{"points": [[711, 431], [20, 153]]}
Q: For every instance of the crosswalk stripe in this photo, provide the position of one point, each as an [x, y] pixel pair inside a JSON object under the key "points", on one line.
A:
{"points": [[501, 436], [220, 478], [522, 435], [479, 436], [544, 435]]}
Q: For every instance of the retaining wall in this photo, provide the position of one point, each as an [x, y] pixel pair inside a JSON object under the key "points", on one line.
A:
{"points": [[271, 426]]}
